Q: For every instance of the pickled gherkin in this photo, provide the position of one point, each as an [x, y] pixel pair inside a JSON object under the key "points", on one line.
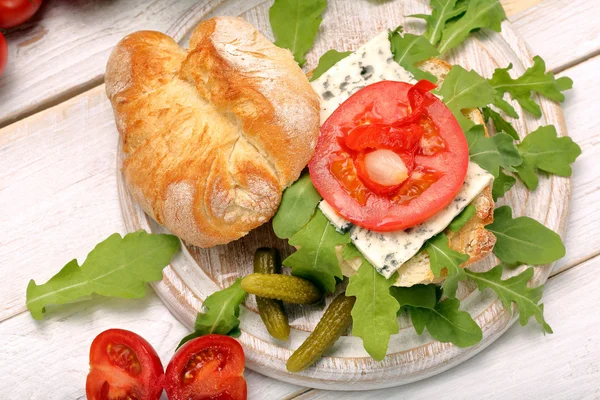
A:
{"points": [[272, 313], [289, 289], [336, 319]]}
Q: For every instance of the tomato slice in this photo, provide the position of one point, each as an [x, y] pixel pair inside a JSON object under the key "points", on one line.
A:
{"points": [[123, 366], [419, 129], [208, 367]]}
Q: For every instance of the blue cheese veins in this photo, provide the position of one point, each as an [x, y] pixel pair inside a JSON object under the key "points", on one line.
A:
{"points": [[387, 251], [339, 223], [371, 63]]}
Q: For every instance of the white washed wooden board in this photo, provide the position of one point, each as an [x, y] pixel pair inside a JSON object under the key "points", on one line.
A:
{"points": [[196, 273]]}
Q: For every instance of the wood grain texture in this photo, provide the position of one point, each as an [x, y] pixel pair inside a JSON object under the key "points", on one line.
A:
{"points": [[63, 49], [65, 46], [581, 107], [49, 359], [199, 272], [524, 363], [563, 32]]}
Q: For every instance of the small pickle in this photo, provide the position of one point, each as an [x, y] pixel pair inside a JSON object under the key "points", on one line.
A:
{"points": [[333, 324], [272, 313], [289, 289]]}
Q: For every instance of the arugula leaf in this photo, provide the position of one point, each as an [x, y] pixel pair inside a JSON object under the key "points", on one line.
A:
{"points": [[316, 259], [523, 239], [443, 257], [502, 184], [446, 323], [505, 106], [295, 24], [514, 290], [491, 153], [500, 123], [441, 12], [409, 49], [465, 89], [297, 207], [461, 219], [350, 252], [328, 60], [424, 296], [118, 266], [533, 80], [543, 150], [479, 14], [374, 313], [221, 313]]}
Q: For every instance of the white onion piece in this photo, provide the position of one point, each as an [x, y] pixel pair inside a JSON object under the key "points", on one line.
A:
{"points": [[385, 167]]}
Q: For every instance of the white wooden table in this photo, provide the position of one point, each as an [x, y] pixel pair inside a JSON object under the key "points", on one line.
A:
{"points": [[58, 198]]}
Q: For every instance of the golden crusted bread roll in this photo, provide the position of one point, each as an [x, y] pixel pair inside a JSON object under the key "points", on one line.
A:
{"points": [[212, 135]]}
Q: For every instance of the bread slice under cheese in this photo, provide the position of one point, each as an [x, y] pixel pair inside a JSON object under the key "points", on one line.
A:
{"points": [[472, 239]]}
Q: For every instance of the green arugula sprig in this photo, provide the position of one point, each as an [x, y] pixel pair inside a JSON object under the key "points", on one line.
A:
{"points": [[220, 315], [514, 290], [543, 150], [523, 240], [443, 320], [116, 267], [534, 80], [408, 50], [297, 207], [316, 258], [492, 153], [479, 14], [443, 257], [441, 12], [295, 24], [451, 21], [328, 60], [374, 313]]}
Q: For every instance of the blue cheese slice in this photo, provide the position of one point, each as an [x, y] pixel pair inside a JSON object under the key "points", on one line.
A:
{"points": [[387, 251], [371, 63], [340, 224]]}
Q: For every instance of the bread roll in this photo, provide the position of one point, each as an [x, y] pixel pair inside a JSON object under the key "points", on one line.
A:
{"points": [[213, 135]]}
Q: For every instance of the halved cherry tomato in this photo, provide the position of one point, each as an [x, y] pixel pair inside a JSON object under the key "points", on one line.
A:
{"points": [[123, 366], [15, 12], [208, 367], [418, 128]]}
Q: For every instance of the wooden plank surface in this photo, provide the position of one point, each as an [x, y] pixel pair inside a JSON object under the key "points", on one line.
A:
{"points": [[63, 49], [49, 359], [524, 363], [563, 32], [65, 46]]}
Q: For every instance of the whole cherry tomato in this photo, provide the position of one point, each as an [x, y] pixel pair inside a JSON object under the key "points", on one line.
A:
{"points": [[15, 12]]}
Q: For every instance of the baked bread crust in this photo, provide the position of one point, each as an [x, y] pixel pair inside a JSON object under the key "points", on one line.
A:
{"points": [[472, 239], [214, 135]]}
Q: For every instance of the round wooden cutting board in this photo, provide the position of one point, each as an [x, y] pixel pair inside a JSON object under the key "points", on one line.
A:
{"points": [[196, 273]]}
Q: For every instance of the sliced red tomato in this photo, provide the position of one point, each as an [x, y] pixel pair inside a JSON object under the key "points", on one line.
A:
{"points": [[123, 366], [208, 367], [390, 157]]}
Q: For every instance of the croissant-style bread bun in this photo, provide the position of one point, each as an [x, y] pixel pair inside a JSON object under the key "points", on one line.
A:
{"points": [[213, 135]]}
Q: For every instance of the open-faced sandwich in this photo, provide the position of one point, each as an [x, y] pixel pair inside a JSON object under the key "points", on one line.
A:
{"points": [[397, 195], [382, 171]]}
